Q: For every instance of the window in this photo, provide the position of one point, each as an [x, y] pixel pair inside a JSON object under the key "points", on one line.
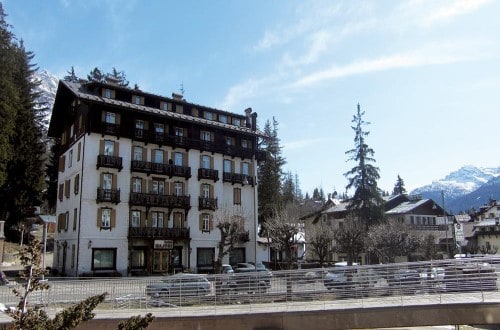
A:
{"points": [[159, 129], [109, 148], [73, 250], [208, 115], [136, 185], [206, 136], [205, 161], [107, 93], [237, 196], [165, 106], [223, 119], [178, 219], [105, 218], [205, 218], [138, 153], [67, 184], [205, 190], [245, 168], [76, 185], [227, 166], [205, 257], [237, 255], [178, 189], [79, 151], [75, 218], [103, 259], [70, 158], [107, 181], [236, 121], [229, 141], [158, 156], [139, 124], [179, 131], [178, 159], [71, 130], [157, 219], [179, 108], [138, 258], [61, 191], [135, 219], [137, 100], [110, 118], [244, 143], [158, 187], [62, 163]]}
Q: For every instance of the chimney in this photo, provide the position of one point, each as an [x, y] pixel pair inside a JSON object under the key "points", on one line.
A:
{"points": [[178, 97], [248, 114]]}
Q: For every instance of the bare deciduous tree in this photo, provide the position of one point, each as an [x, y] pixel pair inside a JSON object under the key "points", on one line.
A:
{"points": [[349, 238], [231, 224], [319, 239], [282, 227]]}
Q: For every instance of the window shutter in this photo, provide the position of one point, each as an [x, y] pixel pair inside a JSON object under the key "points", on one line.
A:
{"points": [[201, 161], [212, 163], [152, 155], [172, 188], [113, 181], [143, 219], [232, 166], [101, 180], [101, 147], [184, 159], [165, 154], [118, 117], [103, 116], [62, 163], [99, 217], [200, 222], [79, 152], [150, 186], [211, 222], [116, 149], [113, 94], [113, 218], [211, 191], [144, 154]]}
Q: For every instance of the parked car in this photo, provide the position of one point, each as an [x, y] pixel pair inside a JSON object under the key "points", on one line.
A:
{"points": [[349, 281], [227, 269], [179, 287], [249, 278], [471, 277], [405, 281]]}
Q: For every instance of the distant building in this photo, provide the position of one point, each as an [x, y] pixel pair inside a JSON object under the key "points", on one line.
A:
{"points": [[141, 177]]}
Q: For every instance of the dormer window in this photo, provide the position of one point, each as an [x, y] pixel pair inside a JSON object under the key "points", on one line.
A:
{"points": [[165, 106], [223, 119], [208, 115], [136, 99], [106, 92], [236, 122]]}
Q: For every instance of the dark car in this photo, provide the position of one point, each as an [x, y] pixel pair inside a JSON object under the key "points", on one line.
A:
{"points": [[179, 288], [405, 281], [248, 278]]}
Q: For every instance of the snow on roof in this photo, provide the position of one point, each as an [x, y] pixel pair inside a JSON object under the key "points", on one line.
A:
{"points": [[407, 207]]}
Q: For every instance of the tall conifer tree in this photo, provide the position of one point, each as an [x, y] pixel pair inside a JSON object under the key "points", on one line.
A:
{"points": [[366, 204]]}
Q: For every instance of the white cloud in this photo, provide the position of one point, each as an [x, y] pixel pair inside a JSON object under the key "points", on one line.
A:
{"points": [[433, 54]]}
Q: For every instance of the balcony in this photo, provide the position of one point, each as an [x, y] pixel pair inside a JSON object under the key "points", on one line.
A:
{"points": [[206, 203], [109, 161], [182, 171], [110, 129], [244, 236], [155, 200], [237, 178], [207, 173], [160, 168], [108, 195], [165, 233]]}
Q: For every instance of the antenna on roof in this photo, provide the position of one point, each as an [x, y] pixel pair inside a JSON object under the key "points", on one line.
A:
{"points": [[182, 89]]}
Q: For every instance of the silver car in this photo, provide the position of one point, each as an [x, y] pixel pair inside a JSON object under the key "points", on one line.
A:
{"points": [[177, 287]]}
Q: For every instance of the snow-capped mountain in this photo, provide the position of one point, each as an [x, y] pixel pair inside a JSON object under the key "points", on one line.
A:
{"points": [[458, 185], [47, 90]]}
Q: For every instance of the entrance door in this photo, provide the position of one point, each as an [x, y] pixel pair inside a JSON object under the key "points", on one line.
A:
{"points": [[161, 261]]}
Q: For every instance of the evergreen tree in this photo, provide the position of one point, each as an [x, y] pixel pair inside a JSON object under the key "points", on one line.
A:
{"points": [[119, 76], [8, 96], [288, 191], [366, 203], [96, 75], [51, 174], [298, 191], [270, 172], [71, 77], [25, 180], [399, 187]]}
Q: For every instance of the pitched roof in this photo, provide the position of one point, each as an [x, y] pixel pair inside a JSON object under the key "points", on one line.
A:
{"points": [[407, 207]]}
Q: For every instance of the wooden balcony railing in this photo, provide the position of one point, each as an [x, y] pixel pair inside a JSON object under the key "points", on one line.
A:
{"points": [[108, 195], [206, 203], [160, 168], [165, 233], [208, 173], [168, 201], [109, 161], [238, 178]]}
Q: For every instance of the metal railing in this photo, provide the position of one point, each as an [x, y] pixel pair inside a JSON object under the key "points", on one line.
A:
{"points": [[418, 283]]}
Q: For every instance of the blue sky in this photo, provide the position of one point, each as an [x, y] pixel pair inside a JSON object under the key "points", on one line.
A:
{"points": [[427, 73]]}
